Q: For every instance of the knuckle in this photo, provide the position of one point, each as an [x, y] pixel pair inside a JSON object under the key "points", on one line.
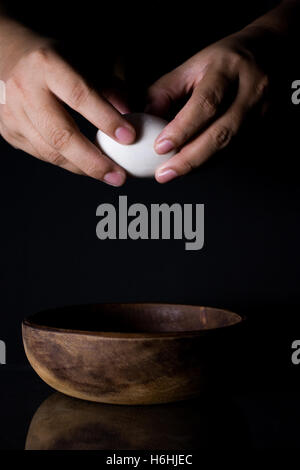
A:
{"points": [[233, 59], [237, 60], [60, 138], [180, 133], [95, 171], [5, 134], [18, 87], [209, 103], [79, 93], [21, 76], [240, 56], [14, 85], [10, 137], [186, 165], [39, 56], [221, 137], [55, 158]]}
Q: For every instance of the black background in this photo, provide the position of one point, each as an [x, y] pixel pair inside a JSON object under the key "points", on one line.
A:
{"points": [[50, 255]]}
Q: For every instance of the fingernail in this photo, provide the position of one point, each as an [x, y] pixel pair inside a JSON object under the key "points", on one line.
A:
{"points": [[114, 178], [124, 135], [166, 175], [164, 146]]}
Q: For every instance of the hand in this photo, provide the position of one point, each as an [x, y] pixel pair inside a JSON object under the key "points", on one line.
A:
{"points": [[34, 119], [226, 85]]}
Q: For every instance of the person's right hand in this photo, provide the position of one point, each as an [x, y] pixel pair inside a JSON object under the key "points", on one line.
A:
{"points": [[33, 118]]}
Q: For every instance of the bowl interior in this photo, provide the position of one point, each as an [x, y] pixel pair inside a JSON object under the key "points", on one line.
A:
{"points": [[136, 318]]}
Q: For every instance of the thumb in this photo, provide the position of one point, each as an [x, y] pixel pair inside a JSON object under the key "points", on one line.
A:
{"points": [[164, 92], [117, 99], [117, 94]]}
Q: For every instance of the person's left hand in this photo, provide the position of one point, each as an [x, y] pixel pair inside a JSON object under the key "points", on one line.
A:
{"points": [[226, 85]]}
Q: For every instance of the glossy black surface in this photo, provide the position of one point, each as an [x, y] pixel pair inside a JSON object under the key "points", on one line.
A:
{"points": [[32, 413], [50, 257]]}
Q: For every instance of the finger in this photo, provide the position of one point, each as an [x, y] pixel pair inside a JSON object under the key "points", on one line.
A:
{"points": [[117, 98], [29, 140], [17, 141], [68, 86], [60, 132], [251, 96], [215, 138], [202, 107], [164, 91], [43, 151]]}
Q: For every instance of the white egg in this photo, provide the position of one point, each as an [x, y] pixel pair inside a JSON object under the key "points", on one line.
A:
{"points": [[138, 159]]}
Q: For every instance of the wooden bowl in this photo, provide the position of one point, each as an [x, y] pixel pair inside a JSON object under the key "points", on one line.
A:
{"points": [[138, 353]]}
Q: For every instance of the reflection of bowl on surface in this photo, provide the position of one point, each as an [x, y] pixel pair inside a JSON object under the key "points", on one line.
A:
{"points": [[128, 353], [64, 423]]}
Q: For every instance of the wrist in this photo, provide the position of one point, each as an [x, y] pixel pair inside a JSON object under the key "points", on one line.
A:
{"points": [[266, 44], [273, 37]]}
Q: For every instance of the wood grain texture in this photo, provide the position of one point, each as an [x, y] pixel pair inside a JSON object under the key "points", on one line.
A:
{"points": [[144, 354]]}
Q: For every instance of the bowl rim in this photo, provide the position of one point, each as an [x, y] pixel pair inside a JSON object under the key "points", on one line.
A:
{"points": [[29, 322]]}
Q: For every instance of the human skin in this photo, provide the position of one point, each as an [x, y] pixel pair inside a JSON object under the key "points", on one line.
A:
{"points": [[33, 119], [247, 60], [37, 80]]}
